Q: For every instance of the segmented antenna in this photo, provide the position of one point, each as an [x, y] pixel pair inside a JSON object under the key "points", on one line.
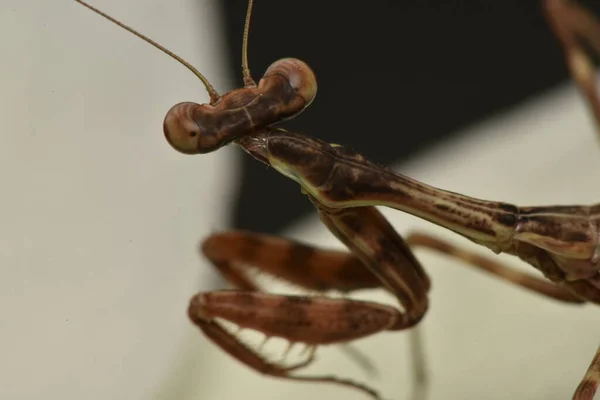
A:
{"points": [[214, 95], [248, 81]]}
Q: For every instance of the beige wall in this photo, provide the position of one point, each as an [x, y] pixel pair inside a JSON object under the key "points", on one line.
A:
{"points": [[99, 217]]}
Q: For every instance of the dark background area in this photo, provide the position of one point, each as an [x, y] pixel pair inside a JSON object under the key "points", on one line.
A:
{"points": [[394, 77]]}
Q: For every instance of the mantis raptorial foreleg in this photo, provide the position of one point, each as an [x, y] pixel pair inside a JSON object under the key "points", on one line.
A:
{"points": [[314, 269], [379, 258]]}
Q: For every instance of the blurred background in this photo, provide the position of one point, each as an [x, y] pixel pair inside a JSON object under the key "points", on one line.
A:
{"points": [[101, 218]]}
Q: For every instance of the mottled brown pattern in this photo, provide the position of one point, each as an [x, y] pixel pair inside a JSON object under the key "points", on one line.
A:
{"points": [[311, 320], [335, 174], [234, 252], [343, 178], [286, 89], [307, 160]]}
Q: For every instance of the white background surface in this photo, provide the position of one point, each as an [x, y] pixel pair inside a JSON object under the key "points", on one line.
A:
{"points": [[100, 220]]}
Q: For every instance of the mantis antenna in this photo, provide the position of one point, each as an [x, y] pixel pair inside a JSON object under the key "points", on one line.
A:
{"points": [[245, 69], [214, 95]]}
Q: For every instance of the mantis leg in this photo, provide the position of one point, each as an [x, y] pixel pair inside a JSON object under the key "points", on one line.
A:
{"points": [[315, 269], [490, 265], [311, 320], [578, 30], [370, 236], [379, 258], [234, 252]]}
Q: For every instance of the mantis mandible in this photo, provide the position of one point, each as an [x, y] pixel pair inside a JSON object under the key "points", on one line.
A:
{"points": [[559, 241]]}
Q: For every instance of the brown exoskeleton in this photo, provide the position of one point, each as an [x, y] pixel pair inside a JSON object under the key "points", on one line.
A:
{"points": [[560, 241]]}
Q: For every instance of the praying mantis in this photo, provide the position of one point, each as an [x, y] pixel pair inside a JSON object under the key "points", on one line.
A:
{"points": [[345, 188]]}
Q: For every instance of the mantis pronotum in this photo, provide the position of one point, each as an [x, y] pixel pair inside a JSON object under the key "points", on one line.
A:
{"points": [[559, 241]]}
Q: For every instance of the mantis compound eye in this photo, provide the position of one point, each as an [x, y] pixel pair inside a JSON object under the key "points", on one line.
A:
{"points": [[184, 129], [300, 77]]}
